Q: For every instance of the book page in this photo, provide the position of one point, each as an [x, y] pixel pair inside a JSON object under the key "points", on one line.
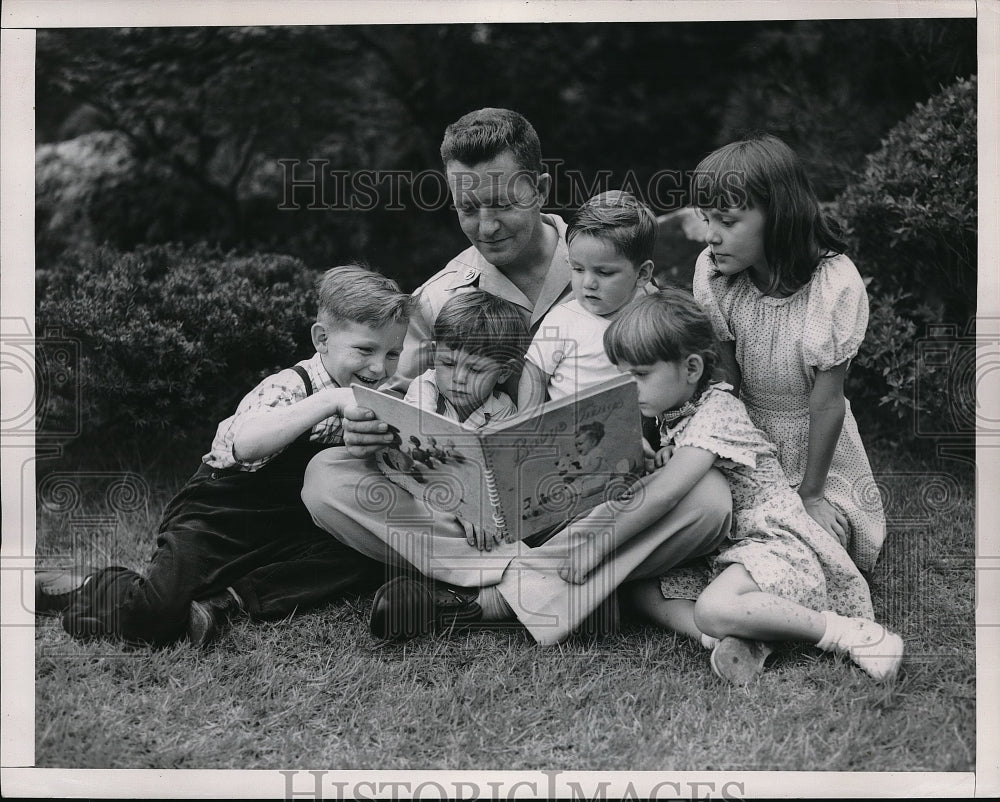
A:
{"points": [[572, 456], [435, 459]]}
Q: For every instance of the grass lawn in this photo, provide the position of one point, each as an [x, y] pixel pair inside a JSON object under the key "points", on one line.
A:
{"points": [[316, 692]]}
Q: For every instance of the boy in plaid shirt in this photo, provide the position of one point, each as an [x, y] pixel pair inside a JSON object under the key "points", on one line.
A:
{"points": [[237, 540]]}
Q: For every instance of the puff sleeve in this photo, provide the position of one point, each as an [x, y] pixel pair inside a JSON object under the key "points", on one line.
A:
{"points": [[722, 426], [837, 314], [711, 289]]}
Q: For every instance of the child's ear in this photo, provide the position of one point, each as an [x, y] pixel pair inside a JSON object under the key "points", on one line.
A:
{"points": [[645, 273], [320, 335], [695, 366], [509, 369]]}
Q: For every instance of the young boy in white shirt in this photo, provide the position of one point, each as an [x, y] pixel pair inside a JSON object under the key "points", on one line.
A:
{"points": [[610, 241]]}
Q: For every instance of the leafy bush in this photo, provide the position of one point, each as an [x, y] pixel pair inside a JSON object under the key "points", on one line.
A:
{"points": [[882, 383], [911, 221], [911, 218], [169, 335]]}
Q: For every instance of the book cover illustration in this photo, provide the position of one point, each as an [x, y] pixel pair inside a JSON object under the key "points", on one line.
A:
{"points": [[524, 475]]}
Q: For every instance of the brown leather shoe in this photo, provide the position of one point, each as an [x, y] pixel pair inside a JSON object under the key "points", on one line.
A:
{"points": [[405, 608]]}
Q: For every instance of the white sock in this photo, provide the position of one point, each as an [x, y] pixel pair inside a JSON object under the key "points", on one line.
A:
{"points": [[870, 645], [708, 641], [494, 605]]}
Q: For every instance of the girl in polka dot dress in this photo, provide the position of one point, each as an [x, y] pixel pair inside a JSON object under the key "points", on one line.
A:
{"points": [[790, 310], [781, 576]]}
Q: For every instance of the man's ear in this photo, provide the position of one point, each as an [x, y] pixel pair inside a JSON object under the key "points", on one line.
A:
{"points": [[694, 365], [320, 336], [645, 273], [542, 185]]}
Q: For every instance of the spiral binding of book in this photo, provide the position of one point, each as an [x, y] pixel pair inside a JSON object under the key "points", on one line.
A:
{"points": [[494, 496]]}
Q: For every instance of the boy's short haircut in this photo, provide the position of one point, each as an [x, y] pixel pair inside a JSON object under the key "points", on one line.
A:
{"points": [[617, 217], [358, 295], [482, 324], [484, 134]]}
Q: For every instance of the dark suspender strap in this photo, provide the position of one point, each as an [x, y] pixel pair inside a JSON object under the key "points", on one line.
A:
{"points": [[305, 378]]}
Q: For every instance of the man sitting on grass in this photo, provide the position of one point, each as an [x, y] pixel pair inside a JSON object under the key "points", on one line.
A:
{"points": [[237, 540], [493, 161]]}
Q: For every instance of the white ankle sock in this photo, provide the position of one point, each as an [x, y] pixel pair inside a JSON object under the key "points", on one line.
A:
{"points": [[870, 645], [494, 605]]}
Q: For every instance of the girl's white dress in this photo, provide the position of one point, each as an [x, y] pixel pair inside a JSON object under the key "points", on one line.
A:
{"points": [[780, 344], [783, 548]]}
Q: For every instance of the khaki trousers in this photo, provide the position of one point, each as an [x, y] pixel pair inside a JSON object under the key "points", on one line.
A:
{"points": [[352, 500]]}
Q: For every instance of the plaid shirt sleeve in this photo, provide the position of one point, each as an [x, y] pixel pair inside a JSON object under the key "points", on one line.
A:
{"points": [[279, 390]]}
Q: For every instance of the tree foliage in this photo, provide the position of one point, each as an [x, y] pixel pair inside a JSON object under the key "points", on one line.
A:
{"points": [[207, 113]]}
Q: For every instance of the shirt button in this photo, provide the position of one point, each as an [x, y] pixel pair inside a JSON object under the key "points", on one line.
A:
{"points": [[469, 274]]}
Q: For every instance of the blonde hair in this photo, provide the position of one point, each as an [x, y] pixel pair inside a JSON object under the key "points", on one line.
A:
{"points": [[359, 295]]}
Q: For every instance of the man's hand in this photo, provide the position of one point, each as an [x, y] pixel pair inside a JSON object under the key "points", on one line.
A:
{"points": [[829, 517], [584, 557], [477, 537], [365, 434]]}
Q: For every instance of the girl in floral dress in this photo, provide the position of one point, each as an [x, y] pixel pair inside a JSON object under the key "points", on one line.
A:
{"points": [[790, 310], [783, 577]]}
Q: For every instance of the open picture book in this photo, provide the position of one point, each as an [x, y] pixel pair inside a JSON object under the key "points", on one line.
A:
{"points": [[523, 475]]}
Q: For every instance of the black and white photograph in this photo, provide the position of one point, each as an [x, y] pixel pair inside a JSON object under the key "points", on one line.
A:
{"points": [[761, 223]]}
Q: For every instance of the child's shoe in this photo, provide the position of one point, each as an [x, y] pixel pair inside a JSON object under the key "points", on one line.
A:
{"points": [[870, 645], [208, 618], [738, 660], [56, 590]]}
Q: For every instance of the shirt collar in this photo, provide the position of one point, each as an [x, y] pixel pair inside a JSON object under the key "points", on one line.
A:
{"points": [[496, 405], [673, 420], [476, 271]]}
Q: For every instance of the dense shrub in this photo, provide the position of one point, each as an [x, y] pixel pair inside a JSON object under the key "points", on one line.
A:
{"points": [[883, 382], [171, 336], [911, 218], [911, 222]]}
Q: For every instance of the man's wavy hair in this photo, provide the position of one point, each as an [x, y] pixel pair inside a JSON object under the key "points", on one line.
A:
{"points": [[484, 134]]}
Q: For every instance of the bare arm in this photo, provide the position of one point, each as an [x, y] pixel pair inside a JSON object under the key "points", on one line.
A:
{"points": [[730, 368], [656, 494], [273, 428], [531, 388], [826, 418]]}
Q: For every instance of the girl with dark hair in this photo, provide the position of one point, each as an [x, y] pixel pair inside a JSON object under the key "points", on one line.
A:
{"points": [[790, 311]]}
